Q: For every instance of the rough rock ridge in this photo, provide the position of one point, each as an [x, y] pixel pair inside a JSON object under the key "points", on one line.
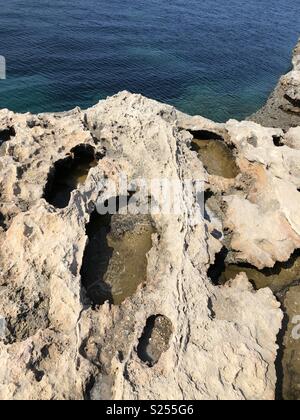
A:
{"points": [[57, 344], [283, 106]]}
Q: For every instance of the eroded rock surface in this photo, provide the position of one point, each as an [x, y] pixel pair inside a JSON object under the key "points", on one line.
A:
{"points": [[283, 106], [259, 207], [57, 344]]}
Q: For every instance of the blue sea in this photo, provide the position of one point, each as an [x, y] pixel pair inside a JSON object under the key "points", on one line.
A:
{"points": [[218, 58]]}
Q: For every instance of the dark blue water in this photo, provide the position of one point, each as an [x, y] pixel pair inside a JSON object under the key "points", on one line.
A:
{"points": [[218, 58]]}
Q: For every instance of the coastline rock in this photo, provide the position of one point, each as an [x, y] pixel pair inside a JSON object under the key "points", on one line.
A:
{"points": [[259, 207], [57, 344], [283, 107]]}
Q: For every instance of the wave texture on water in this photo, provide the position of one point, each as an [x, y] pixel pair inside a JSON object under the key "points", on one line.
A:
{"points": [[217, 59]]}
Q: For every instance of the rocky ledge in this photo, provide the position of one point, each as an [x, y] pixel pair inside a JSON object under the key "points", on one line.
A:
{"points": [[136, 306], [283, 107]]}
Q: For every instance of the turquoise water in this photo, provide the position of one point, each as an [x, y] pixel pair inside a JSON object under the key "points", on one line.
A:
{"points": [[217, 58]]}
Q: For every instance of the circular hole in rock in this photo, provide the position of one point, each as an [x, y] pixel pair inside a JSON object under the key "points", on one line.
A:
{"points": [[155, 339]]}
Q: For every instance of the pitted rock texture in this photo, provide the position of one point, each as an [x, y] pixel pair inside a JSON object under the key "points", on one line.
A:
{"points": [[259, 207], [223, 342]]}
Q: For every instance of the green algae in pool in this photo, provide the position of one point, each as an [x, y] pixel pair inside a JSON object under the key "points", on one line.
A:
{"points": [[284, 280], [216, 157], [291, 346], [115, 259], [278, 278]]}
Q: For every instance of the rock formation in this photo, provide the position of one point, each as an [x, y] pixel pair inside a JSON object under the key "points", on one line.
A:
{"points": [[178, 336], [283, 107], [156, 305]]}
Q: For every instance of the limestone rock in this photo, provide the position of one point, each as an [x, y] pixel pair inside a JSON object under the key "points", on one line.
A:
{"points": [[259, 207], [56, 344], [283, 107], [292, 138]]}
